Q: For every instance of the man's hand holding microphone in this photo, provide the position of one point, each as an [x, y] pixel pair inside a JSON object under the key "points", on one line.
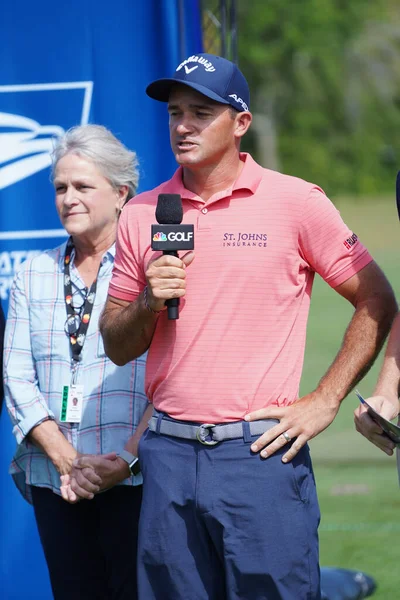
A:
{"points": [[166, 275]]}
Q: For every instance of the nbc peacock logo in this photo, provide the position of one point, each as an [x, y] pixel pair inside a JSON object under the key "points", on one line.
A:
{"points": [[159, 237]]}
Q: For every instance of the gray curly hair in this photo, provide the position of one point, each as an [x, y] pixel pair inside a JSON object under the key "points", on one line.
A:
{"points": [[95, 142]]}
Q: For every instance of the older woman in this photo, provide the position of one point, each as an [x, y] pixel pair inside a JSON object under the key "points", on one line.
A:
{"points": [[64, 396]]}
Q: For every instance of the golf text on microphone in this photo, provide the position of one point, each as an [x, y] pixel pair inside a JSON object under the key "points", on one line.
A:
{"points": [[172, 237]]}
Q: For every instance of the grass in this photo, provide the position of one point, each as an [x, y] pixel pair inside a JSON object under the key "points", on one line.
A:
{"points": [[357, 484]]}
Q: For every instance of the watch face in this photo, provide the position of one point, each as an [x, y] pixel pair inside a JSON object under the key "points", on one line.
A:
{"points": [[135, 467]]}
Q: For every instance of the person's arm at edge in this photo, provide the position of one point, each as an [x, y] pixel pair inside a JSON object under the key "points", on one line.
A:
{"points": [[388, 384], [375, 307], [385, 399]]}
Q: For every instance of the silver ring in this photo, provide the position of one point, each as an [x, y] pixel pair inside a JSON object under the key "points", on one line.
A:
{"points": [[286, 436]]}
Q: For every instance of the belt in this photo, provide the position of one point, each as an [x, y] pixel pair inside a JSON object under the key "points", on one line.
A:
{"points": [[208, 434]]}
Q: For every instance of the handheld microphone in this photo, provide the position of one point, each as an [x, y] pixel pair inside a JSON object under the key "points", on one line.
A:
{"points": [[170, 235]]}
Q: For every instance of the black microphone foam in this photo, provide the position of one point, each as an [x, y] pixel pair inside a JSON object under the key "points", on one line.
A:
{"points": [[169, 209]]}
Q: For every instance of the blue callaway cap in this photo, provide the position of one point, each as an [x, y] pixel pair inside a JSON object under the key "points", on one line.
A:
{"points": [[213, 76]]}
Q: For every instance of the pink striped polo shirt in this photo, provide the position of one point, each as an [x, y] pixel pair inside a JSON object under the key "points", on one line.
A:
{"points": [[239, 342]]}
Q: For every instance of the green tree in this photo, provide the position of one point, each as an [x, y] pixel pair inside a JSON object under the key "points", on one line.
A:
{"points": [[325, 81]]}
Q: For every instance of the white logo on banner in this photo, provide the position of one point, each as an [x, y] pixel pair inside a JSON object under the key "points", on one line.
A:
{"points": [[25, 145], [25, 148], [25, 151]]}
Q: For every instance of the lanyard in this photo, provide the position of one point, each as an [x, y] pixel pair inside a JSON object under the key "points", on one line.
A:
{"points": [[76, 325]]}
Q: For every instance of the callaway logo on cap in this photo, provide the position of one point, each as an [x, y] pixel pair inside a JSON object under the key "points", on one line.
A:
{"points": [[213, 76]]}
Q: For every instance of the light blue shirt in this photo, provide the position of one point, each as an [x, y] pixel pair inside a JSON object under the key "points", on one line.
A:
{"points": [[37, 364]]}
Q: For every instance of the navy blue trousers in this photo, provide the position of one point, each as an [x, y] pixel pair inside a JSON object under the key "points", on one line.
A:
{"points": [[220, 523], [90, 547]]}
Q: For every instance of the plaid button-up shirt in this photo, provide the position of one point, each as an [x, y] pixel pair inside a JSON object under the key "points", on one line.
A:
{"points": [[37, 364]]}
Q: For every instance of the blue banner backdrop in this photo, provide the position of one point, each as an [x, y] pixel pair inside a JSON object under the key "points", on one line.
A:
{"points": [[63, 64]]}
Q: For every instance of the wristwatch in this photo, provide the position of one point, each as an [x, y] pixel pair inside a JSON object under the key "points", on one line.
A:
{"points": [[131, 460]]}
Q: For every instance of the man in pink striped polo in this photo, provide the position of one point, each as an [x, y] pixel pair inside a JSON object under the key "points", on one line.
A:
{"points": [[230, 508]]}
